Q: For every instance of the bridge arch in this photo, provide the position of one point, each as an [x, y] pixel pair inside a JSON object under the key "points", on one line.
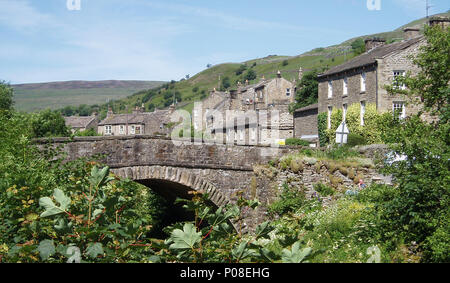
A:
{"points": [[172, 182]]}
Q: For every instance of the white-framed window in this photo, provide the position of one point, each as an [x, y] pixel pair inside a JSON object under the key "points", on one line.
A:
{"points": [[235, 135], [138, 130], [108, 130], [121, 129], [363, 82], [398, 108], [288, 92], [133, 130], [344, 112], [363, 111], [345, 86], [330, 110], [253, 134], [397, 74], [330, 89]]}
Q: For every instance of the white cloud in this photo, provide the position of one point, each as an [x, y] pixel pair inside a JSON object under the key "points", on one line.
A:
{"points": [[21, 15]]}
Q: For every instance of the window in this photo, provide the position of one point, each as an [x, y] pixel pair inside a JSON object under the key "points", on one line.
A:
{"points": [[396, 84], [288, 92], [133, 130], [121, 129], [344, 112], [235, 135], [253, 134], [330, 89], [399, 110], [345, 89], [241, 134], [363, 111], [108, 130], [330, 110], [363, 82], [138, 130]]}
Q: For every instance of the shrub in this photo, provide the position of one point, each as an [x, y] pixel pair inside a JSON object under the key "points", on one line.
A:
{"points": [[297, 165], [290, 200], [322, 127], [371, 131], [324, 190], [355, 139], [296, 142]]}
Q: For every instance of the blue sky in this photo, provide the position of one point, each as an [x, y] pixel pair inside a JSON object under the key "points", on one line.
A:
{"points": [[41, 40]]}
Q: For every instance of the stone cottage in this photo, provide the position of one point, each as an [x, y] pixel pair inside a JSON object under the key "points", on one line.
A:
{"points": [[362, 79], [82, 123], [136, 123], [252, 114]]}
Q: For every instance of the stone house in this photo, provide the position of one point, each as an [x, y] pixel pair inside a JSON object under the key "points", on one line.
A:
{"points": [[82, 123], [362, 79], [136, 123], [249, 115]]}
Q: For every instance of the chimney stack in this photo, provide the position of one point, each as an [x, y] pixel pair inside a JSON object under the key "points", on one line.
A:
{"points": [[444, 22], [110, 112], [411, 33], [300, 74], [279, 74], [372, 43]]}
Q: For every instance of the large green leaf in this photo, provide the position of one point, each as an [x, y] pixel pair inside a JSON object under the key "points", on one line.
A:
{"points": [[295, 255], [46, 249], [50, 208], [94, 250], [99, 177], [185, 239], [263, 230]]}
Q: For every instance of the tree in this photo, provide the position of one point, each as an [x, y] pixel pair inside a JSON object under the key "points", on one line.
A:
{"points": [[307, 90], [358, 46], [241, 69], [49, 124], [6, 96], [250, 75], [420, 211], [225, 83]]}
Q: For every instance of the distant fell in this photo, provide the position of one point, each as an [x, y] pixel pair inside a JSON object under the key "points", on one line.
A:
{"points": [[55, 95]]}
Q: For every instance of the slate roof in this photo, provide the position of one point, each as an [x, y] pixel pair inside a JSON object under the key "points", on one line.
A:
{"points": [[370, 57], [309, 107], [136, 118], [79, 121]]}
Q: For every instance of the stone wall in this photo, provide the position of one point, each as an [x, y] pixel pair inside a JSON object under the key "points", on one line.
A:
{"points": [[305, 123]]}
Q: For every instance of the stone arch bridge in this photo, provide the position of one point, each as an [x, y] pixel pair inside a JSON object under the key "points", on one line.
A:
{"points": [[175, 170]]}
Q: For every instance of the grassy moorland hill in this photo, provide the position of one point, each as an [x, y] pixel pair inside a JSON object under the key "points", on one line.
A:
{"points": [[197, 87], [55, 95]]}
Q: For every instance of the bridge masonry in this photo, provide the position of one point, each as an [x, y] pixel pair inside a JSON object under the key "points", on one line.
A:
{"points": [[174, 170]]}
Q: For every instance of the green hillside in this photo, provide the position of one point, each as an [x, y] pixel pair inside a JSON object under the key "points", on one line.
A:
{"points": [[56, 95], [197, 87]]}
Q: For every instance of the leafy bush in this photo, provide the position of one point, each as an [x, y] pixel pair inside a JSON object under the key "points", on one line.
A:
{"points": [[49, 124], [296, 142], [289, 200], [322, 128], [324, 190], [354, 140], [371, 131]]}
